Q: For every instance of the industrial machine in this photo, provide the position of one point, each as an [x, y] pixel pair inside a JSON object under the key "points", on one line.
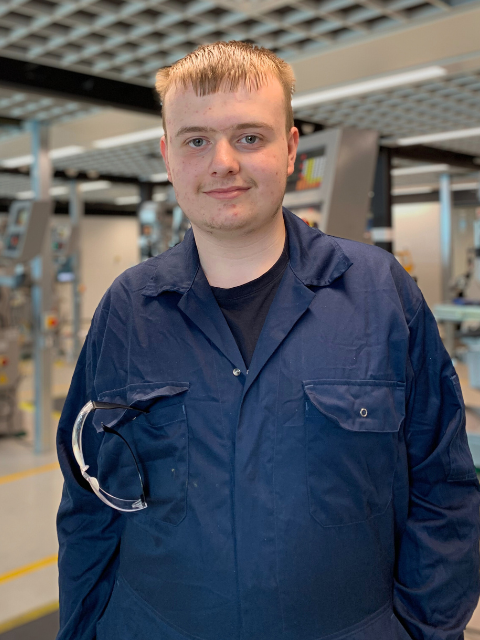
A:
{"points": [[180, 224], [331, 185], [155, 233], [25, 232], [24, 235]]}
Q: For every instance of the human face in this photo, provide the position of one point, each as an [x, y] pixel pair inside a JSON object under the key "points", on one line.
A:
{"points": [[228, 156]]}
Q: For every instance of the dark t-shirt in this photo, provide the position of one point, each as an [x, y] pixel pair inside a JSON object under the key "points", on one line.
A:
{"points": [[245, 307]]}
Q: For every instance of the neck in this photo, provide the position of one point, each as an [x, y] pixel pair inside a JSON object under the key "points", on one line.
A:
{"points": [[230, 261]]}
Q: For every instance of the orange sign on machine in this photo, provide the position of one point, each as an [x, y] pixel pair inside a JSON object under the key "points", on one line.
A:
{"points": [[50, 321]]}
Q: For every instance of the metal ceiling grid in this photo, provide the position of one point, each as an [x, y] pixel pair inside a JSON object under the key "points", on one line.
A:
{"points": [[24, 105], [141, 159], [130, 39], [452, 103], [464, 145], [12, 185], [443, 105]]}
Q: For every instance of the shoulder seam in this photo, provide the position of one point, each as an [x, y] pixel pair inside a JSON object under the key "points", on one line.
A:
{"points": [[416, 313]]}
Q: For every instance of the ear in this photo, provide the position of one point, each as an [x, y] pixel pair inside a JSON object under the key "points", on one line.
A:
{"points": [[292, 144], [164, 152]]}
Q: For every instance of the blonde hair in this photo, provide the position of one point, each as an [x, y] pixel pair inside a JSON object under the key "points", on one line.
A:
{"points": [[226, 66]]}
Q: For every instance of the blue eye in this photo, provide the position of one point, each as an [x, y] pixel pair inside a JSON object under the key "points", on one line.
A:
{"points": [[251, 139], [197, 142]]}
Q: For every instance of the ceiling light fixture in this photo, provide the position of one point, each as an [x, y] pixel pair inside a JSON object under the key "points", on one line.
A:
{"points": [[25, 195], [159, 177], [127, 200], [466, 186], [427, 168], [55, 154], [411, 191], [95, 186], [368, 86], [64, 152], [439, 137], [58, 191], [19, 161], [129, 138]]}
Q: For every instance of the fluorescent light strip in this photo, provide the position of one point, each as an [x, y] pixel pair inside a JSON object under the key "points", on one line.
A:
{"points": [[129, 138], [466, 186], [95, 186], [64, 152], [127, 200], [58, 190], [159, 177], [439, 137], [25, 195], [427, 168], [368, 86], [14, 163], [411, 191], [55, 154]]}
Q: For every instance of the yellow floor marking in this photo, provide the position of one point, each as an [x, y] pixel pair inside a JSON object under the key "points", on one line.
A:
{"points": [[26, 405], [28, 568], [39, 612], [29, 472]]}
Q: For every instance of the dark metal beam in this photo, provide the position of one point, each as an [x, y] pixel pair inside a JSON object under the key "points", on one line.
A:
{"points": [[71, 85], [84, 176], [91, 208], [421, 153], [460, 198], [10, 122], [306, 128], [381, 203]]}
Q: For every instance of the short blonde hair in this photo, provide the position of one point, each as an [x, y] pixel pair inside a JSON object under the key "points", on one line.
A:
{"points": [[226, 66]]}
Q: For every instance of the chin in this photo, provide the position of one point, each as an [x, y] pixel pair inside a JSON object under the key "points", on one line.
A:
{"points": [[227, 221]]}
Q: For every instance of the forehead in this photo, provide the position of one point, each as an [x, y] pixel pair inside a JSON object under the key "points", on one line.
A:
{"points": [[225, 107]]}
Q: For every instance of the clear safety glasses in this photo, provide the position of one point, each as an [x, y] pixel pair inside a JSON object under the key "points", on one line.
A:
{"points": [[124, 477]]}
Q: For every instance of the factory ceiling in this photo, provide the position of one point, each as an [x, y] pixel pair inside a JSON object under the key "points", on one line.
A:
{"points": [[130, 40], [328, 42]]}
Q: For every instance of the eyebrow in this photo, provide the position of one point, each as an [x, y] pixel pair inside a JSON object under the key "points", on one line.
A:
{"points": [[237, 127]]}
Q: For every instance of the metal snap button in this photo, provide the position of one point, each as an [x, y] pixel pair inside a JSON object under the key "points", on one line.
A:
{"points": [[363, 413], [236, 372]]}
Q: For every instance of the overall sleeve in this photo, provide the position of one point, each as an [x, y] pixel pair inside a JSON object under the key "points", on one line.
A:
{"points": [[437, 573], [88, 530]]}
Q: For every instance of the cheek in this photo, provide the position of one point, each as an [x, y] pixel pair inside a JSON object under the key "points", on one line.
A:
{"points": [[185, 175], [271, 174]]}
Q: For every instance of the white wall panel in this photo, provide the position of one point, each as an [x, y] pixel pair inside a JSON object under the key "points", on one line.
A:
{"points": [[109, 246], [417, 229]]}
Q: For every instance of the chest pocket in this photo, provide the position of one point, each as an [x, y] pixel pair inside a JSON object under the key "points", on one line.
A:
{"points": [[351, 444], [159, 440]]}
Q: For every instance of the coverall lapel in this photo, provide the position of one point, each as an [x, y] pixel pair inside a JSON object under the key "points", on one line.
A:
{"points": [[315, 260], [199, 304], [179, 270], [291, 301]]}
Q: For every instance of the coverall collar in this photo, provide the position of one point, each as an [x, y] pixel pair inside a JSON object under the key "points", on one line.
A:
{"points": [[315, 259]]}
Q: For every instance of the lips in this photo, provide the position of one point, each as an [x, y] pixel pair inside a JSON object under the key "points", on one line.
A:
{"points": [[226, 193]]}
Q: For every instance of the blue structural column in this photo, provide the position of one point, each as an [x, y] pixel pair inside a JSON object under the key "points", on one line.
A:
{"points": [[42, 294], [381, 203], [446, 234], [76, 212]]}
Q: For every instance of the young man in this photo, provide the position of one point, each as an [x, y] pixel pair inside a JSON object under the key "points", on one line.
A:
{"points": [[304, 455]]}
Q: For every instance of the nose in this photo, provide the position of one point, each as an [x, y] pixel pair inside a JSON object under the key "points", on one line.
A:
{"points": [[224, 160]]}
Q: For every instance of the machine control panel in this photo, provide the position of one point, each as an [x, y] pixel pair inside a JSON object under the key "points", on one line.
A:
{"points": [[27, 223]]}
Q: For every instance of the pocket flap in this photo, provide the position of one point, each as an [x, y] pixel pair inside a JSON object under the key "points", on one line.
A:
{"points": [[137, 396], [358, 405]]}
